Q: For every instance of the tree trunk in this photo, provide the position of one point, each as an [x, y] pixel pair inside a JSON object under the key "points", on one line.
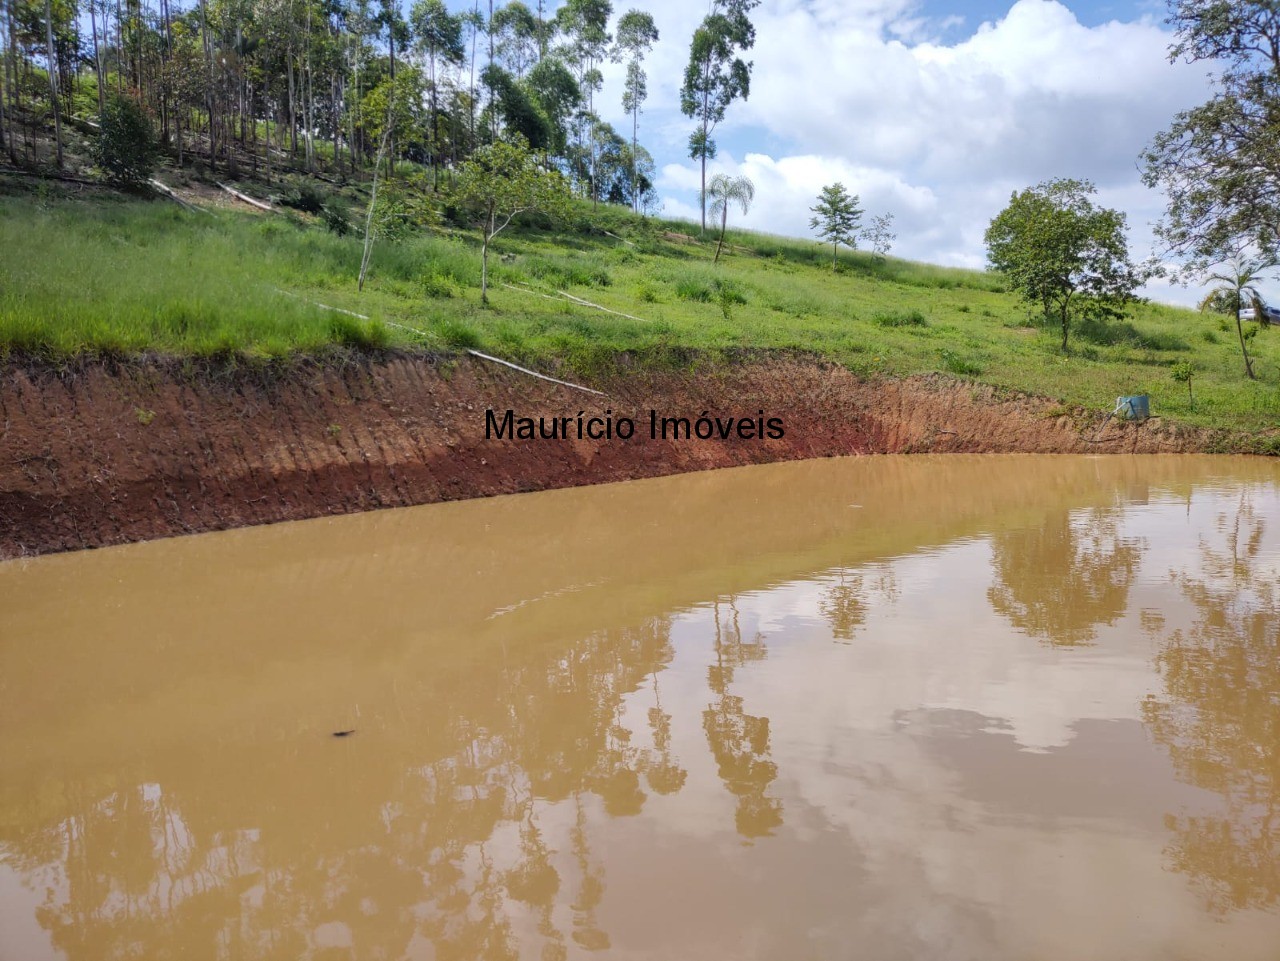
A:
{"points": [[97, 59], [208, 60], [53, 79], [293, 118], [724, 222], [484, 262], [1248, 364]]}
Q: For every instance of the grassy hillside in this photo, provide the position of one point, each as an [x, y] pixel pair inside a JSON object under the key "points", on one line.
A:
{"points": [[95, 273]]}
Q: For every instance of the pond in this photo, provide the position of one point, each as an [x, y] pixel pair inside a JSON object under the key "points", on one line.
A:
{"points": [[894, 708]]}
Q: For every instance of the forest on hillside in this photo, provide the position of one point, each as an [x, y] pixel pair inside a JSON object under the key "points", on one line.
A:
{"points": [[329, 86]]}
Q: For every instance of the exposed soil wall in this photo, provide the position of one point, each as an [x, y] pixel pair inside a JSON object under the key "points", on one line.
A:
{"points": [[112, 453]]}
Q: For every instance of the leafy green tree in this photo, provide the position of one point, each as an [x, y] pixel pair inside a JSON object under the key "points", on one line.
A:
{"points": [[1218, 163], [835, 217], [394, 107], [501, 181], [716, 76], [636, 36], [126, 147], [1057, 248], [557, 93], [724, 191], [1238, 280]]}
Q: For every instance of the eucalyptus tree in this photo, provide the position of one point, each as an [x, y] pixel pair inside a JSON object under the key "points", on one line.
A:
{"points": [[558, 95], [716, 76], [53, 82], [397, 30], [475, 22], [517, 30], [636, 36], [724, 191], [836, 216], [438, 36], [585, 25]]}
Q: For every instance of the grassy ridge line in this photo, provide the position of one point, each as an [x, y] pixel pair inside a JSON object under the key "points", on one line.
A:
{"points": [[121, 277]]}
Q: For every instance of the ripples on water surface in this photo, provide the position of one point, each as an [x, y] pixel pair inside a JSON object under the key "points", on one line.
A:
{"points": [[887, 708]]}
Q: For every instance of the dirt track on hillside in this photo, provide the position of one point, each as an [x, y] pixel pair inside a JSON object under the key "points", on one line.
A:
{"points": [[111, 453]]}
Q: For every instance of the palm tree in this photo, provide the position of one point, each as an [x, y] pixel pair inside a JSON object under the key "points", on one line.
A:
{"points": [[1239, 278], [723, 190]]}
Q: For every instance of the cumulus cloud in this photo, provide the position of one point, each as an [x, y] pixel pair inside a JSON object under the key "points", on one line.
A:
{"points": [[940, 133]]}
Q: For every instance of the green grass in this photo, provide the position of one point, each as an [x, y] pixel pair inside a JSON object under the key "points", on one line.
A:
{"points": [[111, 276]]}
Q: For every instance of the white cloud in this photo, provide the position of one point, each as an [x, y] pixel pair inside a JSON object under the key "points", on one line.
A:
{"points": [[938, 133]]}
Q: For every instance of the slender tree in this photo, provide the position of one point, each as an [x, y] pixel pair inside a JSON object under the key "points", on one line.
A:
{"points": [[585, 23], [438, 35], [501, 181], [716, 76], [54, 100], [636, 36], [879, 234]]}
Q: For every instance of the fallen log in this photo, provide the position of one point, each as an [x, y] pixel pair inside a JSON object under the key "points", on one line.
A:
{"points": [[168, 192], [247, 199]]}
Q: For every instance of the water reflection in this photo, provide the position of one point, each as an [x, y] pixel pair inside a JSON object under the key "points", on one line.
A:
{"points": [[614, 721], [740, 741], [1061, 579], [1220, 715]]}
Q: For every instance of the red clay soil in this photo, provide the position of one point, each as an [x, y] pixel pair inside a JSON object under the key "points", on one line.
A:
{"points": [[112, 453]]}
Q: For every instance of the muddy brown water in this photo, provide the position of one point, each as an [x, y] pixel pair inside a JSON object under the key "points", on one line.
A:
{"points": [[955, 707]]}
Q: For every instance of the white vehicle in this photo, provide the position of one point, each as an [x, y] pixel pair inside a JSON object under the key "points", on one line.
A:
{"points": [[1270, 315]]}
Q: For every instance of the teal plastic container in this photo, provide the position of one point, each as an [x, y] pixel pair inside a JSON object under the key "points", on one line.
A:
{"points": [[1137, 407]]}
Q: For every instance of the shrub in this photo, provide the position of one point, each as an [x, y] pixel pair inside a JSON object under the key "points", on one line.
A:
{"points": [[436, 284], [899, 318], [458, 335], [336, 219], [353, 332], [956, 364], [693, 288], [126, 148], [303, 196]]}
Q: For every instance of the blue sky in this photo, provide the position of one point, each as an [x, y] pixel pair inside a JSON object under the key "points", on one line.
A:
{"points": [[932, 111]]}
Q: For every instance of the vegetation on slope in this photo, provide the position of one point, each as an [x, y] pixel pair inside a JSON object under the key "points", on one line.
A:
{"points": [[96, 274]]}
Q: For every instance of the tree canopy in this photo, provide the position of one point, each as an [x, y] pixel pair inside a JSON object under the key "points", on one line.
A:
{"points": [[836, 218], [1061, 251], [1218, 163], [501, 181]]}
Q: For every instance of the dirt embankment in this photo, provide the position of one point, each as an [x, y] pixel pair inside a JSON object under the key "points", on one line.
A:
{"points": [[114, 453]]}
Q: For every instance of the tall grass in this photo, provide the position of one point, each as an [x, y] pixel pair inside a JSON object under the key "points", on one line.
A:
{"points": [[117, 277]]}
